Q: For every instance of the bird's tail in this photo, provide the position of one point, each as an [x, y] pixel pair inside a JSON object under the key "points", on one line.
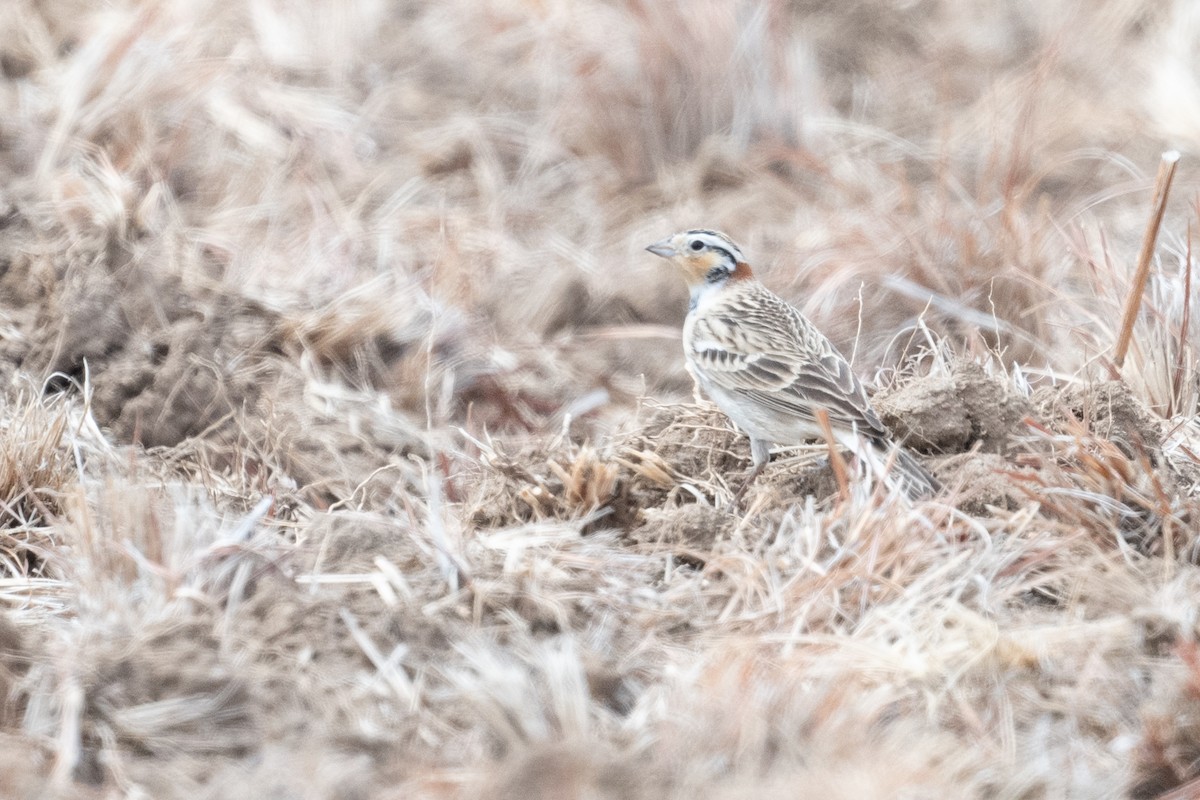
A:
{"points": [[905, 471], [918, 483], [895, 465]]}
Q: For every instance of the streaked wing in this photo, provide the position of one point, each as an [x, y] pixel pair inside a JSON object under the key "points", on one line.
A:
{"points": [[823, 384], [765, 351]]}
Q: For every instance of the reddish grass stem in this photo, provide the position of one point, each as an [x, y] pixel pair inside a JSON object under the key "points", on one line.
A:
{"points": [[1162, 189], [835, 455], [1182, 347]]}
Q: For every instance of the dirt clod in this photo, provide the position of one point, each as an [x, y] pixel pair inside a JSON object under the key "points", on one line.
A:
{"points": [[1107, 409], [953, 413], [983, 481]]}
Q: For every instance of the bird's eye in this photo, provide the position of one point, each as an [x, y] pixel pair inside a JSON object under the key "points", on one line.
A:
{"points": [[697, 245]]}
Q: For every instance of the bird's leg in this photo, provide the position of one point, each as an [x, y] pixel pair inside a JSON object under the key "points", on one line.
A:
{"points": [[760, 454]]}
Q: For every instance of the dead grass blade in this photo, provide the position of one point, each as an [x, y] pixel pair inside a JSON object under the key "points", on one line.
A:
{"points": [[1162, 191]]}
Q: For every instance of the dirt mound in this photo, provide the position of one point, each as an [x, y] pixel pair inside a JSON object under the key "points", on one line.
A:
{"points": [[983, 482], [1107, 410], [666, 484], [682, 454], [953, 413], [183, 378], [170, 364], [1097, 462], [166, 361], [659, 484]]}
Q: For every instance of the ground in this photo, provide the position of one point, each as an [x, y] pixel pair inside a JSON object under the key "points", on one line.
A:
{"points": [[349, 451]]}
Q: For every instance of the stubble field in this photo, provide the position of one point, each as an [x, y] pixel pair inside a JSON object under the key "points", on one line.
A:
{"points": [[347, 447]]}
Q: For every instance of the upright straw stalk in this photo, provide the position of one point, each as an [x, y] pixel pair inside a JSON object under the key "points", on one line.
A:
{"points": [[1162, 190]]}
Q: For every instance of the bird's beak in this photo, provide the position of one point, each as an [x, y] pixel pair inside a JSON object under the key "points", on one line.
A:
{"points": [[663, 249]]}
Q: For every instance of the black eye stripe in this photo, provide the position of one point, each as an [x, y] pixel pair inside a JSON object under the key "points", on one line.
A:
{"points": [[699, 240], [697, 245]]}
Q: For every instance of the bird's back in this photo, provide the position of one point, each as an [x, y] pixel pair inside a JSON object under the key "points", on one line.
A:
{"points": [[749, 344]]}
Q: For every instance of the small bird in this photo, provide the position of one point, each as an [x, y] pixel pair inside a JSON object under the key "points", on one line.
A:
{"points": [[768, 367]]}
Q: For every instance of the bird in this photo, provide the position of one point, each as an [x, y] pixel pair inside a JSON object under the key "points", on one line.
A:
{"points": [[769, 368]]}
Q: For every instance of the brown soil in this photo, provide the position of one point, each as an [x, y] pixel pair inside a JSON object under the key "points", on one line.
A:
{"points": [[954, 413], [1108, 410]]}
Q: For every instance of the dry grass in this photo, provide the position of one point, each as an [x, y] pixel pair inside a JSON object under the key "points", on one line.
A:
{"points": [[347, 449]]}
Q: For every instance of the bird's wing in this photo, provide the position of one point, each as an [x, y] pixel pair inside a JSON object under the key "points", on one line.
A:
{"points": [[769, 354]]}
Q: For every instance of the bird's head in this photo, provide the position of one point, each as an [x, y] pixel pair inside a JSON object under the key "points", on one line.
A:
{"points": [[704, 257]]}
